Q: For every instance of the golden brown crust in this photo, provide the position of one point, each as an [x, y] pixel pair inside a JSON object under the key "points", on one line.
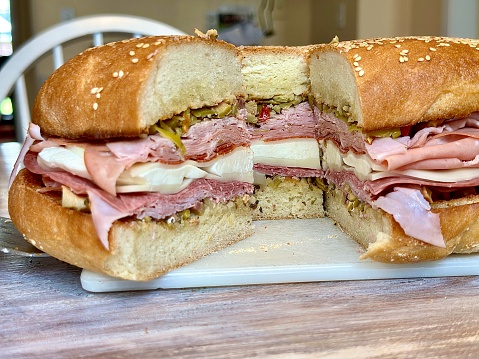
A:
{"points": [[385, 241], [66, 233], [403, 81], [107, 91], [302, 51], [139, 250]]}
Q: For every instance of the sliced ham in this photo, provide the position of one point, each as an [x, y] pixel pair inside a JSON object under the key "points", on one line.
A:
{"points": [[455, 144], [287, 171], [465, 149], [104, 168], [413, 213], [332, 128], [294, 122]]}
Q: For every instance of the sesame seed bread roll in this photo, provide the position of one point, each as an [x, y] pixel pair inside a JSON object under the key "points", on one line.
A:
{"points": [[396, 82], [143, 79], [139, 155]]}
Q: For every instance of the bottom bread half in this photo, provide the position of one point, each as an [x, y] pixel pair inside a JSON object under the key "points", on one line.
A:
{"points": [[288, 197], [139, 249], [385, 241]]}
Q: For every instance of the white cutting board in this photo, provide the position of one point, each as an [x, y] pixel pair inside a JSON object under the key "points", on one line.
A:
{"points": [[286, 251]]}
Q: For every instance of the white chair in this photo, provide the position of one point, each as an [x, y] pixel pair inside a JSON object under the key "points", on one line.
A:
{"points": [[51, 40]]}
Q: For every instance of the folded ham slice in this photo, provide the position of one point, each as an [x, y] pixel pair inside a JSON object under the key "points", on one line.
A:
{"points": [[452, 145]]}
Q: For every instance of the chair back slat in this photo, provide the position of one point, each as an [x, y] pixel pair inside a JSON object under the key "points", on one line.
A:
{"points": [[57, 56], [21, 107], [97, 39]]}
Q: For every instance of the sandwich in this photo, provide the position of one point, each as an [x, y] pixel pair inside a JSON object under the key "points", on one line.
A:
{"points": [[287, 166], [137, 160], [398, 125]]}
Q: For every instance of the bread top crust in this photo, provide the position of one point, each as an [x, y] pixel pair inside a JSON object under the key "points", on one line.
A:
{"points": [[122, 88], [393, 82], [275, 71]]}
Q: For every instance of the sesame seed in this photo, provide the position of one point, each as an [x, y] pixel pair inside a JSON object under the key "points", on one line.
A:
{"points": [[428, 57], [358, 58], [355, 63], [120, 74], [358, 68], [432, 48], [115, 74], [140, 45], [95, 106], [98, 95], [94, 90], [132, 53], [398, 46], [150, 55], [361, 73], [369, 47], [135, 60], [146, 46], [355, 56], [421, 59]]}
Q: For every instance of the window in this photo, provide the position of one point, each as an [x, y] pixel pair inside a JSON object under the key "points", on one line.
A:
{"points": [[5, 28]]}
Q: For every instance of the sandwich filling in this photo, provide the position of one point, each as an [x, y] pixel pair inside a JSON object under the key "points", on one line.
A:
{"points": [[283, 139], [150, 177], [406, 175]]}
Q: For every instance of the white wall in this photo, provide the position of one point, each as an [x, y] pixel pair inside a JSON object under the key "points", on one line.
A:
{"points": [[382, 18], [460, 18]]}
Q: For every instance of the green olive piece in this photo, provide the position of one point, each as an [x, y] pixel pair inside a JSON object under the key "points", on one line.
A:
{"points": [[170, 134], [393, 133]]}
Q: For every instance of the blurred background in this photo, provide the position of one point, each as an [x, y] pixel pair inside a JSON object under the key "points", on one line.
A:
{"points": [[248, 22]]}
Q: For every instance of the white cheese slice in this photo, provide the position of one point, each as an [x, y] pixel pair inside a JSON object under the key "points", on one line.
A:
{"points": [[69, 159], [167, 179], [332, 157], [157, 177], [451, 176], [294, 152], [235, 166]]}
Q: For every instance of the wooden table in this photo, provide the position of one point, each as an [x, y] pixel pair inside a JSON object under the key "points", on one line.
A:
{"points": [[45, 313]]}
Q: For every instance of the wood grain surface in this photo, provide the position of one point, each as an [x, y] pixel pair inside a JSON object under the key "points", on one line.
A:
{"points": [[44, 312]]}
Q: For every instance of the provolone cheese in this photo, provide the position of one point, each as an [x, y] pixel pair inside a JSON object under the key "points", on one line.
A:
{"points": [[294, 152], [153, 176], [69, 159]]}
